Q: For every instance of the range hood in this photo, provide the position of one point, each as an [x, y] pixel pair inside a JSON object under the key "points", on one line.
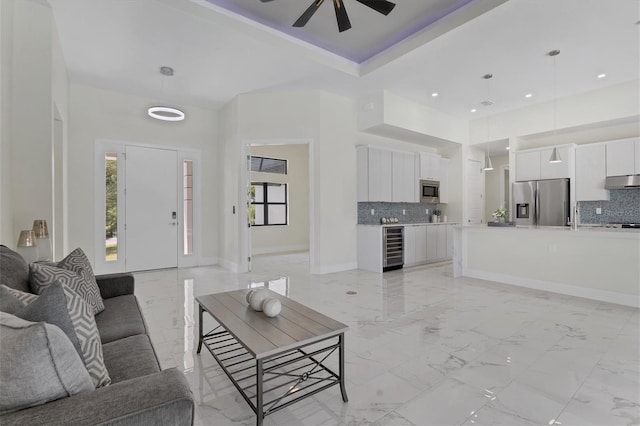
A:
{"points": [[622, 182]]}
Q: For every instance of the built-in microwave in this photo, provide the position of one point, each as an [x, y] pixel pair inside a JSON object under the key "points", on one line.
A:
{"points": [[429, 191]]}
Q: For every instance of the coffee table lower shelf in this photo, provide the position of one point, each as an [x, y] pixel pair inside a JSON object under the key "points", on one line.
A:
{"points": [[272, 383]]}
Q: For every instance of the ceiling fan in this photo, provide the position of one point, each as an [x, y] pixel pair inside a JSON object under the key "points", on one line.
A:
{"points": [[381, 6]]}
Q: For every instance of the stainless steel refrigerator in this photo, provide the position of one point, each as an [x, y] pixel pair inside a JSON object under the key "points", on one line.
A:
{"points": [[542, 202]]}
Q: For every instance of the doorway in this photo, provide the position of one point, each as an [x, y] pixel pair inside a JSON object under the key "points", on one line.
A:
{"points": [[147, 207], [278, 204]]}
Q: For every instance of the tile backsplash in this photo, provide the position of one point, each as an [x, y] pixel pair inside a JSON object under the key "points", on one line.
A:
{"points": [[413, 212], [622, 207]]}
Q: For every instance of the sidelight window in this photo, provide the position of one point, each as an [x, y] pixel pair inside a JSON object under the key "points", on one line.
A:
{"points": [[269, 204], [111, 206], [187, 206]]}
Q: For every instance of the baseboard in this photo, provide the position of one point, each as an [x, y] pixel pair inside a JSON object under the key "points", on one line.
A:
{"points": [[208, 261], [280, 249], [552, 287], [329, 269], [226, 264]]}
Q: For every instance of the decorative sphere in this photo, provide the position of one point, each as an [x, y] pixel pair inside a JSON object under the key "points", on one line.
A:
{"points": [[257, 297], [248, 296], [271, 307]]}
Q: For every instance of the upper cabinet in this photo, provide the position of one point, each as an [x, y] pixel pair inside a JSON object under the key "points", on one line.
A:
{"points": [[623, 157], [404, 178], [444, 180], [385, 175], [591, 173], [429, 166], [535, 165]]}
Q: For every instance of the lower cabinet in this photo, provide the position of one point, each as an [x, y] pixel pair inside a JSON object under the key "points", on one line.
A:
{"points": [[427, 243]]}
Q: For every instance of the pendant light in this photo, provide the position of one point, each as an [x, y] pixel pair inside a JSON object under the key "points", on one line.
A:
{"points": [[487, 158], [555, 156], [163, 112]]}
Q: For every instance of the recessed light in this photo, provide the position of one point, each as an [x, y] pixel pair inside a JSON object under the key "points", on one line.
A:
{"points": [[603, 75], [434, 94], [528, 95], [508, 148], [474, 110]]}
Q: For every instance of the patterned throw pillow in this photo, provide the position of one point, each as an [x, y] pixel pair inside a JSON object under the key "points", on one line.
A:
{"points": [[85, 327], [75, 272]]}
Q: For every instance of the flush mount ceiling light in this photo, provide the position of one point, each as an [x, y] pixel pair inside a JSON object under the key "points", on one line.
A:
{"points": [[162, 112]]}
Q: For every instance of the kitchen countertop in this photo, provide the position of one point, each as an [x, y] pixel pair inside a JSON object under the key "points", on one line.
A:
{"points": [[386, 225], [581, 230]]}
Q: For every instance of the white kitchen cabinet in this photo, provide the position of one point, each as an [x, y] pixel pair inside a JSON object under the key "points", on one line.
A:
{"points": [[637, 156], [429, 166], [556, 170], [622, 157], [404, 180], [362, 163], [528, 165], [591, 173], [421, 243], [380, 175], [441, 245], [432, 243], [450, 241], [444, 180], [410, 241]]}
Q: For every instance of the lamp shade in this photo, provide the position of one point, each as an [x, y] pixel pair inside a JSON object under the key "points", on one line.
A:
{"points": [[27, 245], [555, 156], [40, 228]]}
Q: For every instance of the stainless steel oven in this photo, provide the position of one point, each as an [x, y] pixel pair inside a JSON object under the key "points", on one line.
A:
{"points": [[429, 191], [393, 247]]}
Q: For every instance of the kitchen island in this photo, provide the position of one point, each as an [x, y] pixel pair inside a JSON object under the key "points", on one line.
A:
{"points": [[596, 263]]}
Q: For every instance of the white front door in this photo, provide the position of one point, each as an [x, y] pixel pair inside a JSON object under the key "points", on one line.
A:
{"points": [[151, 200], [474, 192]]}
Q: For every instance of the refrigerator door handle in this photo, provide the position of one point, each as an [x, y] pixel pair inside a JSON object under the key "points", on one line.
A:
{"points": [[536, 198]]}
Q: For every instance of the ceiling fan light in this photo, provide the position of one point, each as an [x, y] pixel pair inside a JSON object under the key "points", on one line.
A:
{"points": [[165, 113], [555, 156]]}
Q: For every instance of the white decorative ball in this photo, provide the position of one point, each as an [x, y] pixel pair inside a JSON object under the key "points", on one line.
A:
{"points": [[271, 307], [248, 296], [257, 297]]}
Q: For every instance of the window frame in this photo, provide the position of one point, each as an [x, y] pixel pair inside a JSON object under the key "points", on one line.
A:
{"points": [[265, 203]]}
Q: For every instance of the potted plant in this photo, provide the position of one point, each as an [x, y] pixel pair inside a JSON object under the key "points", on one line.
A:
{"points": [[436, 216], [500, 215]]}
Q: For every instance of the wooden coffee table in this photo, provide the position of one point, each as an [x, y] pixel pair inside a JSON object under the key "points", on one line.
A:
{"points": [[273, 362]]}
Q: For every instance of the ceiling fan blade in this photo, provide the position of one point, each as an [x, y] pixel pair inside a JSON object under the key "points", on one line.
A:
{"points": [[341, 15], [304, 18], [383, 6]]}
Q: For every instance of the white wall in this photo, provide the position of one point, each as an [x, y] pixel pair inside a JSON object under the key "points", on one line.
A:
{"points": [[100, 114], [295, 235], [328, 123], [31, 115], [6, 62]]}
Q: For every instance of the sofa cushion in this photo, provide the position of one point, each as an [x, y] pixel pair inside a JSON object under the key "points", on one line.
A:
{"points": [[121, 318], [39, 364], [130, 357], [8, 302], [50, 307], [75, 272], [85, 328], [14, 271]]}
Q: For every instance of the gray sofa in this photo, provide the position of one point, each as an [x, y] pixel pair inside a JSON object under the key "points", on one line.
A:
{"points": [[139, 394]]}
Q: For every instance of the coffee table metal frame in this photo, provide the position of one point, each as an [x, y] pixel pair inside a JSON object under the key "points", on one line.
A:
{"points": [[286, 376]]}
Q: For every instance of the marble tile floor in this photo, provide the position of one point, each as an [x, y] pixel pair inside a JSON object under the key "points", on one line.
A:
{"points": [[423, 348]]}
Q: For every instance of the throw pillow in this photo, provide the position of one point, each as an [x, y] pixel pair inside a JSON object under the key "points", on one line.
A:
{"points": [[38, 364], [75, 272], [14, 271], [84, 325], [49, 307], [8, 302]]}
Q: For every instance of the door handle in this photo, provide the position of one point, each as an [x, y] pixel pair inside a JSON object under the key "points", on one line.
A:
{"points": [[173, 223]]}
